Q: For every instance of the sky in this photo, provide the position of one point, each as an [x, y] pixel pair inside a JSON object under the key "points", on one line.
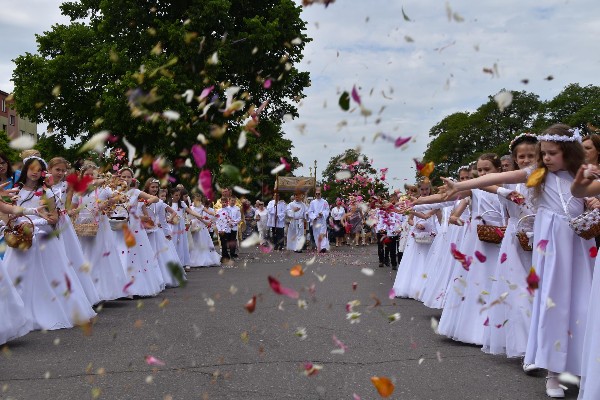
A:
{"points": [[417, 71]]}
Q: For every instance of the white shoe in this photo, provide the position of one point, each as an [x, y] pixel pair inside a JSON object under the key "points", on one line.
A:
{"points": [[555, 393], [530, 368]]}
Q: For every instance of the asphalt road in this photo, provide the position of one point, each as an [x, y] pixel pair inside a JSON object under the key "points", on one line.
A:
{"points": [[213, 348]]}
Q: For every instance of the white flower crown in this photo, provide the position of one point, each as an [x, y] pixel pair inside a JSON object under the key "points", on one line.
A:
{"points": [[41, 160], [461, 167], [522, 135], [558, 138]]}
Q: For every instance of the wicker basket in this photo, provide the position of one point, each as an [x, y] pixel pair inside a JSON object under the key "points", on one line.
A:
{"points": [[147, 223], [19, 236], [587, 225], [116, 223], [174, 220], [86, 229], [490, 233], [524, 236], [424, 238]]}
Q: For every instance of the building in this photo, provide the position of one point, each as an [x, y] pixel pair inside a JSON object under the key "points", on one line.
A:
{"points": [[14, 125]]}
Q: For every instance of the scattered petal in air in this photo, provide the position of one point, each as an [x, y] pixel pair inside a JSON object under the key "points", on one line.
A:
{"points": [[266, 249], [151, 360], [355, 95], [503, 258], [384, 385], [536, 177], [96, 143], [503, 99], [240, 190], [250, 241], [205, 92], [199, 154], [354, 285], [310, 369], [434, 324], [569, 379], [283, 161], [541, 246], [277, 169], [367, 271], [250, 306], [354, 317], [321, 278], [486, 322], [301, 333], [267, 84], [311, 261], [464, 260], [393, 318], [343, 175], [188, 95], [344, 101], [593, 251], [402, 141], [22, 143], [242, 140], [79, 184], [533, 281], [171, 115], [131, 151], [341, 346], [550, 303], [214, 59], [205, 184], [392, 293], [128, 236], [282, 290], [405, 16], [297, 270], [480, 256]]}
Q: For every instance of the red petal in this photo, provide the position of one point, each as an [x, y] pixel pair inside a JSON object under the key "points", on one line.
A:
{"points": [[503, 258], [480, 256], [199, 154], [355, 95], [277, 288], [593, 251]]}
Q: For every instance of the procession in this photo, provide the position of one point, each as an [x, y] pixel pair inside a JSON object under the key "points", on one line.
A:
{"points": [[299, 199]]}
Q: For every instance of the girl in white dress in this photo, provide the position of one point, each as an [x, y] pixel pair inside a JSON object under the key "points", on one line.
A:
{"points": [[16, 320], [41, 274], [261, 217], [132, 244], [415, 253], [57, 167], [561, 259], [203, 253], [586, 184], [180, 237], [510, 317], [164, 249], [107, 271]]}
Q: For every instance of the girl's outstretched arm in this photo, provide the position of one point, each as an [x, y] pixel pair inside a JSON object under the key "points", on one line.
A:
{"points": [[519, 176], [585, 184]]}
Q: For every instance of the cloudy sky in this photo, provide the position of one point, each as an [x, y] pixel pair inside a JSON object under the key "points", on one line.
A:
{"points": [[419, 70]]}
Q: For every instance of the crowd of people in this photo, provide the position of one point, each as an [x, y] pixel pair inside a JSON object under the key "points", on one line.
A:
{"points": [[500, 249], [503, 250]]}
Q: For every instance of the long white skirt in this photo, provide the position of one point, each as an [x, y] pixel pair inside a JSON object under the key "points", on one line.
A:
{"points": [[165, 253], [141, 268], [443, 266], [204, 253], [50, 290], [295, 235], [590, 370], [180, 240], [15, 320], [556, 334], [76, 258], [510, 317], [107, 271], [412, 265]]}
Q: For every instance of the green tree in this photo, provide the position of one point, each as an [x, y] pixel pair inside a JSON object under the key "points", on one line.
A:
{"points": [[138, 68], [575, 106]]}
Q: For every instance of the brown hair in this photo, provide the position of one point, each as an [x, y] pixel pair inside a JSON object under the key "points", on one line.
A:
{"points": [[572, 152], [595, 141], [87, 165], [493, 158], [57, 161], [149, 182]]}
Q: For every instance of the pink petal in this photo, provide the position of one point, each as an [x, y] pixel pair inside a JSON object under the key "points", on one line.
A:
{"points": [[150, 360], [541, 246], [267, 84], [279, 289], [402, 141], [355, 95], [480, 256], [487, 322], [205, 184], [199, 154], [206, 92], [503, 258], [392, 293]]}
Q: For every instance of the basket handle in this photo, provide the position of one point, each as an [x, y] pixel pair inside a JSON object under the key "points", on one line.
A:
{"points": [[492, 211], [523, 218]]}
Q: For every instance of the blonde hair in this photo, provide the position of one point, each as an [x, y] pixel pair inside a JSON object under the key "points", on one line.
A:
{"points": [[57, 161]]}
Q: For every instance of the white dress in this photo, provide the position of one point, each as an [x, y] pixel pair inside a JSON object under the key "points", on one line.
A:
{"points": [[16, 321], [72, 246], [203, 253], [107, 271], [261, 224], [295, 233], [462, 318], [164, 249], [434, 295], [180, 235], [49, 288], [413, 260], [590, 369], [556, 333], [437, 253], [141, 267], [509, 319]]}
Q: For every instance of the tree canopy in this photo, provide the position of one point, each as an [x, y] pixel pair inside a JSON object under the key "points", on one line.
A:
{"points": [[164, 75], [461, 137]]}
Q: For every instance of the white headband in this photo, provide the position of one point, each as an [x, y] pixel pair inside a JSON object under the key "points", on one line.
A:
{"points": [[522, 135], [35, 158], [559, 138]]}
